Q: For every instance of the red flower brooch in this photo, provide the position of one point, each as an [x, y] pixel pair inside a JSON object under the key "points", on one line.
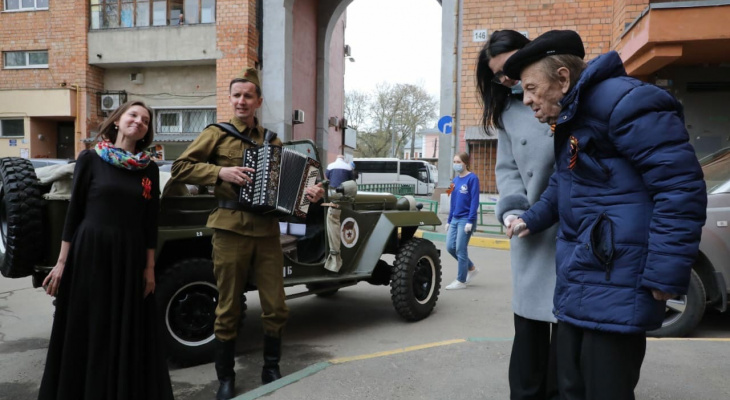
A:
{"points": [[147, 185]]}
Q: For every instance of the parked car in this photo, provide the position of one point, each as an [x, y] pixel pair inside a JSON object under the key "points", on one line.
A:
{"points": [[710, 278], [372, 224]]}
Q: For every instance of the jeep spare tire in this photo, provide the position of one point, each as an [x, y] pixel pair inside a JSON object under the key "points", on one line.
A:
{"points": [[416, 279], [20, 217]]}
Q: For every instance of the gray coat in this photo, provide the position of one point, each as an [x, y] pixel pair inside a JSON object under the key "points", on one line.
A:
{"points": [[525, 162]]}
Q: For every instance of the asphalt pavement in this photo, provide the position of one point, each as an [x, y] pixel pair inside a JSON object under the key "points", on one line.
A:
{"points": [[353, 345]]}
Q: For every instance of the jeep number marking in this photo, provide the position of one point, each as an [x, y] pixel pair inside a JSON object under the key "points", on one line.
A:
{"points": [[287, 271], [198, 233]]}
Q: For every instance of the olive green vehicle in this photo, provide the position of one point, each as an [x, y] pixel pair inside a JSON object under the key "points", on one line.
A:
{"points": [[372, 225]]}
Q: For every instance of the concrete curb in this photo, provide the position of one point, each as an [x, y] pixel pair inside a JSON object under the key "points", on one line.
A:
{"points": [[478, 241]]}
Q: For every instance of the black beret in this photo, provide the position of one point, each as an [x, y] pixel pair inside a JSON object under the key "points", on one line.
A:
{"points": [[548, 44]]}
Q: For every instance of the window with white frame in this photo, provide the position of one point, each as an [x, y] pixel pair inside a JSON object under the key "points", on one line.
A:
{"points": [[108, 14], [25, 5], [25, 59], [12, 127], [183, 120]]}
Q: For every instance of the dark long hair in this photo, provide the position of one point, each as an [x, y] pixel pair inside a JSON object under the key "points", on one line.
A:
{"points": [[493, 95], [107, 131]]}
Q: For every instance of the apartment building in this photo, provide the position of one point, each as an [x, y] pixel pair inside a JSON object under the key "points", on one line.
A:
{"points": [[683, 46], [68, 64]]}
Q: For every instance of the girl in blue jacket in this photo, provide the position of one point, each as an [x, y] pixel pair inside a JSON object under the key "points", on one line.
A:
{"points": [[462, 219]]}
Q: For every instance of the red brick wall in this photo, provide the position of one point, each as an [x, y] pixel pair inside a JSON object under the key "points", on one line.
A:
{"points": [[238, 43], [62, 30]]}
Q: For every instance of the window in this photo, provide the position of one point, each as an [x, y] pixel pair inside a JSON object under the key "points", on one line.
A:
{"points": [[183, 121], [25, 59], [26, 5], [11, 127], [108, 14]]}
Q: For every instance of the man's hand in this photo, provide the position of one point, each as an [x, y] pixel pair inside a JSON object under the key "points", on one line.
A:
{"points": [[467, 227], [314, 193], [236, 175], [662, 296], [447, 228], [518, 227]]}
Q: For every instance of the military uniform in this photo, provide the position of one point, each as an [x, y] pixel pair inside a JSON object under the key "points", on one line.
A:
{"points": [[244, 244]]}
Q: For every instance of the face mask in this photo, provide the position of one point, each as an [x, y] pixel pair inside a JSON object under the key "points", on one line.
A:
{"points": [[517, 88], [458, 167]]}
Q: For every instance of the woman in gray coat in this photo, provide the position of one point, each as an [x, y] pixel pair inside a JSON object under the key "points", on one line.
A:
{"points": [[524, 165]]}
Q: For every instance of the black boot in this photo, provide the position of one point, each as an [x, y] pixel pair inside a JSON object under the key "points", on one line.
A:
{"points": [[224, 362], [272, 355]]}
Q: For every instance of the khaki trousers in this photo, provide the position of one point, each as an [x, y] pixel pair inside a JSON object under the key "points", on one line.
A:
{"points": [[235, 259]]}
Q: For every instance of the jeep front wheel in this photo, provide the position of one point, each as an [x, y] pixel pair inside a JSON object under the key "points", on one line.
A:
{"points": [[416, 279], [20, 217], [187, 297]]}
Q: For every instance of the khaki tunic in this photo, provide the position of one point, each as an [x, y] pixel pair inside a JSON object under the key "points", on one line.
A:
{"points": [[244, 244], [201, 163]]}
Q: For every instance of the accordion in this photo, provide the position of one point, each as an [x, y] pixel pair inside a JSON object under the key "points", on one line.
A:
{"points": [[279, 181]]}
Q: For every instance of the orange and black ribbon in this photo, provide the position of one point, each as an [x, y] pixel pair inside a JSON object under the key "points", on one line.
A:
{"points": [[573, 152]]}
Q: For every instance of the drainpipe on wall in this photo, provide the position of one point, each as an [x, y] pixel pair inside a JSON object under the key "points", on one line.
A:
{"points": [[77, 122]]}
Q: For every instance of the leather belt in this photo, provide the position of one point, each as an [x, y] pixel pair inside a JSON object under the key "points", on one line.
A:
{"points": [[233, 205]]}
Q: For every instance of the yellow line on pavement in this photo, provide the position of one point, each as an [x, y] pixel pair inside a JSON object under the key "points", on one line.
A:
{"points": [[397, 351], [502, 244], [689, 339]]}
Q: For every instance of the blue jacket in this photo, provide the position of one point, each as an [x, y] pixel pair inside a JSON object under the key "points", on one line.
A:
{"points": [[632, 207]]}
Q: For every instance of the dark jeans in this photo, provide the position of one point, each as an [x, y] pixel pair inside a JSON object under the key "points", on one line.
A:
{"points": [[596, 365], [532, 364]]}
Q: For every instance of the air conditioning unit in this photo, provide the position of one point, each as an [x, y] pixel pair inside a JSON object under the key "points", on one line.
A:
{"points": [[297, 117], [343, 123], [110, 101], [333, 121], [348, 50]]}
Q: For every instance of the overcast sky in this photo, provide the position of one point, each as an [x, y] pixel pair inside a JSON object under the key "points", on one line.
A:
{"points": [[394, 41]]}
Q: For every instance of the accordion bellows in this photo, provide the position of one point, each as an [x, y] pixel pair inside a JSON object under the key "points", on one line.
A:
{"points": [[280, 180]]}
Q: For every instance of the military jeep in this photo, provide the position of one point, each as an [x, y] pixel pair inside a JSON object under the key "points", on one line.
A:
{"points": [[372, 225]]}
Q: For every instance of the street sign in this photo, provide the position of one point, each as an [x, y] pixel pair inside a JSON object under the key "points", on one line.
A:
{"points": [[445, 124]]}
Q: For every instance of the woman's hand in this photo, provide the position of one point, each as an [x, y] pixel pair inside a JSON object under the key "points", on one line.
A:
{"points": [[149, 280], [518, 227], [236, 175], [53, 280]]}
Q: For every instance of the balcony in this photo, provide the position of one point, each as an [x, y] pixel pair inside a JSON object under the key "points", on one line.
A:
{"points": [[152, 33]]}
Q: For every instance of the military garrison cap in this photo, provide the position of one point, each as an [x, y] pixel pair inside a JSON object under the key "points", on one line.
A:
{"points": [[250, 74], [550, 43]]}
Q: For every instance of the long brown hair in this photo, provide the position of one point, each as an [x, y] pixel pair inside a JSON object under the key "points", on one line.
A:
{"points": [[108, 132], [464, 157]]}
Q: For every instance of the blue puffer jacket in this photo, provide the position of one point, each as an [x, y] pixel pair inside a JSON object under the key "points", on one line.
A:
{"points": [[632, 207]]}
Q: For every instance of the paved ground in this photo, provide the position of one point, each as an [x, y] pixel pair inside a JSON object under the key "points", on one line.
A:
{"points": [[354, 346]]}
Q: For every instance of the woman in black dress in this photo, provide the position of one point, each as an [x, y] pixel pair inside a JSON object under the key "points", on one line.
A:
{"points": [[104, 342]]}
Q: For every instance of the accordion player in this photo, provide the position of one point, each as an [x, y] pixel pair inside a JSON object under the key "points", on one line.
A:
{"points": [[279, 182]]}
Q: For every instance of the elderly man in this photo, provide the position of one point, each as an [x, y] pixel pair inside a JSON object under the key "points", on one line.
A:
{"points": [[630, 200]]}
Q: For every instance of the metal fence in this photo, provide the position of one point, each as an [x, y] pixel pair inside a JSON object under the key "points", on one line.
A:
{"points": [[400, 189]]}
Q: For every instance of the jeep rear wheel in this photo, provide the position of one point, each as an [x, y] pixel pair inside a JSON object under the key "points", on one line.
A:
{"points": [[187, 297], [683, 313], [20, 217], [416, 279]]}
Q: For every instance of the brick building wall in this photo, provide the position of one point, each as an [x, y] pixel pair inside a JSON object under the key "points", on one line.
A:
{"points": [[62, 30], [237, 40]]}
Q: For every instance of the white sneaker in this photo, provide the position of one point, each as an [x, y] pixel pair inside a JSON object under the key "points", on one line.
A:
{"points": [[471, 274], [456, 285]]}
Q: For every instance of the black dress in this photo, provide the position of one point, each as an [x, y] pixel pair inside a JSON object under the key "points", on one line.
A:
{"points": [[105, 338]]}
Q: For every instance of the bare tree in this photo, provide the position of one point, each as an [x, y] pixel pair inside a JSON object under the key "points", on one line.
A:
{"points": [[356, 109]]}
